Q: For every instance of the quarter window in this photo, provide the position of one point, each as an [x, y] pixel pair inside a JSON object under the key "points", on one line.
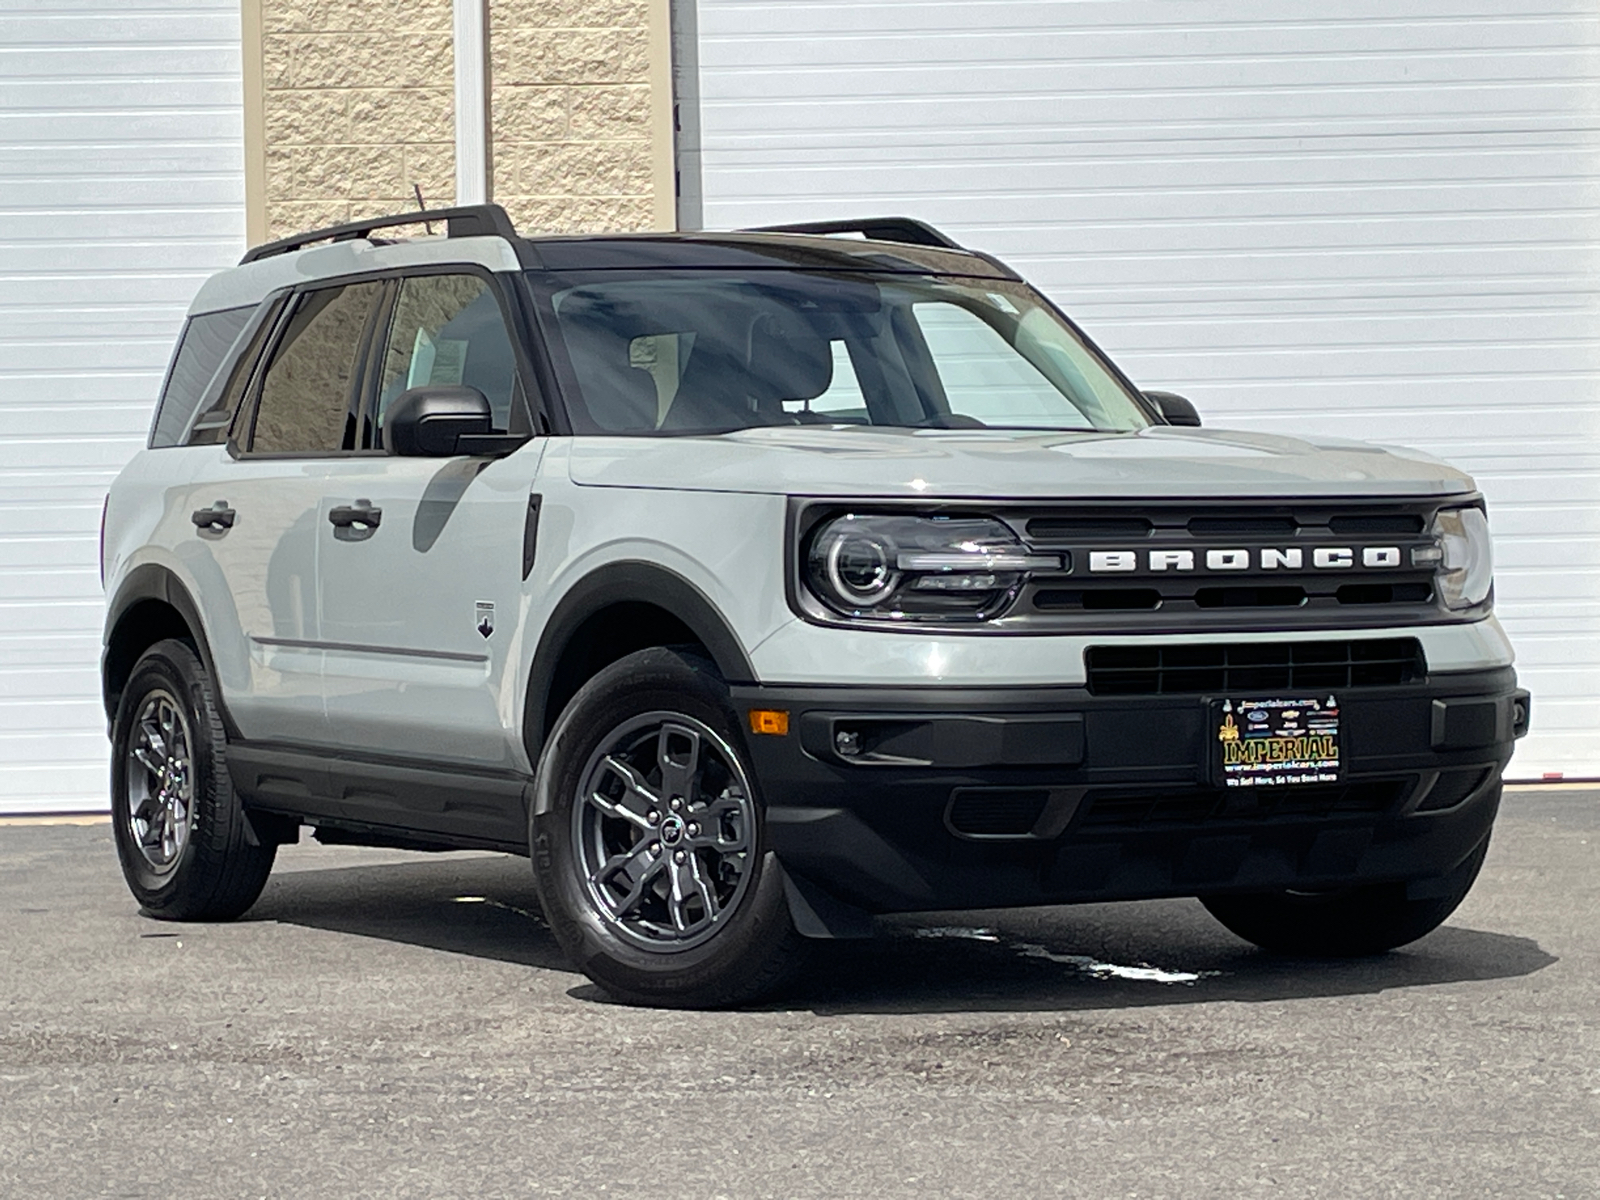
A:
{"points": [[204, 345], [307, 403]]}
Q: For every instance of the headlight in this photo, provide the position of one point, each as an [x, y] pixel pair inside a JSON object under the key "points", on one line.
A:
{"points": [[888, 568], [1463, 557]]}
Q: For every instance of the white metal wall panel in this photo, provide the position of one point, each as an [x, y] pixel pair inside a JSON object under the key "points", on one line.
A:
{"points": [[1375, 219], [121, 188]]}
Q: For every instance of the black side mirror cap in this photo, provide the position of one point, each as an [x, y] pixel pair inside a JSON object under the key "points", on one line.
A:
{"points": [[437, 421], [428, 421], [1174, 409]]}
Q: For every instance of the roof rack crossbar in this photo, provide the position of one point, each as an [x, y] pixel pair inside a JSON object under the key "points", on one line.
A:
{"points": [[907, 230], [473, 220]]}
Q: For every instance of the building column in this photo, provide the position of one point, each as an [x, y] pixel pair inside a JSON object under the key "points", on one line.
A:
{"points": [[355, 106], [471, 60]]}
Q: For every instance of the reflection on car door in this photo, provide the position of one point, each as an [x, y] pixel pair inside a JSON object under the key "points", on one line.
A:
{"points": [[255, 512], [419, 609]]}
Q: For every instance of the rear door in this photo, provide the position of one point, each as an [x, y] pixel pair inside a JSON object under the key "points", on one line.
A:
{"points": [[419, 604], [254, 508]]}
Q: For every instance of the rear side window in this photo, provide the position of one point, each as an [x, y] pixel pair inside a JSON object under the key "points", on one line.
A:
{"points": [[202, 348], [308, 394]]}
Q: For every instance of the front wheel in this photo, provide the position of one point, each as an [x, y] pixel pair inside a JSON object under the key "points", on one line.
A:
{"points": [[1347, 923], [649, 843]]}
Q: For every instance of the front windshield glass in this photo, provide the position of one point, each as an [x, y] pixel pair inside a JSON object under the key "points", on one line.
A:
{"points": [[708, 352]]}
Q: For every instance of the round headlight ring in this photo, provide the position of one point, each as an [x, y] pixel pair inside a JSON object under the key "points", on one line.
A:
{"points": [[902, 567], [861, 568]]}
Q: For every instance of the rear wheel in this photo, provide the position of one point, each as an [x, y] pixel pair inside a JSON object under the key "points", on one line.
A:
{"points": [[649, 842], [1346, 923], [185, 849]]}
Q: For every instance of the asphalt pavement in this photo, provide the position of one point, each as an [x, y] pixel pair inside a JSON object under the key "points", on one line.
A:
{"points": [[399, 1025]]}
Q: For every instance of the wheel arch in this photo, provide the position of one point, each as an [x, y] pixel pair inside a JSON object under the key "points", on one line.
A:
{"points": [[150, 605], [611, 612]]}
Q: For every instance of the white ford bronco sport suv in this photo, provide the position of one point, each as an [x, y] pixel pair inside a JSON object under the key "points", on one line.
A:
{"points": [[756, 583]]}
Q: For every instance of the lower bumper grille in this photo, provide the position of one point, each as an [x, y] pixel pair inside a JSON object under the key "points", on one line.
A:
{"points": [[996, 812], [1233, 669], [1452, 787], [1105, 810]]}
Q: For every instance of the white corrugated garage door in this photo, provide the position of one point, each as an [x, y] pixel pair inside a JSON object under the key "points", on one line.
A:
{"points": [[121, 188], [1374, 219]]}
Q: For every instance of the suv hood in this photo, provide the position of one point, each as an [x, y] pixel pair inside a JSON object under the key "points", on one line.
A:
{"points": [[890, 462]]}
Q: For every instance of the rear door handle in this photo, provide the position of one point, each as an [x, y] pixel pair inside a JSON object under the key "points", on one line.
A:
{"points": [[356, 520], [217, 519]]}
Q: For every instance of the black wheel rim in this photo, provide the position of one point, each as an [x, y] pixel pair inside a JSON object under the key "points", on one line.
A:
{"points": [[160, 781], [663, 826]]}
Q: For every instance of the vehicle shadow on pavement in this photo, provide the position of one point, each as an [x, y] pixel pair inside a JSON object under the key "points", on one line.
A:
{"points": [[1099, 956], [481, 906], [1161, 952]]}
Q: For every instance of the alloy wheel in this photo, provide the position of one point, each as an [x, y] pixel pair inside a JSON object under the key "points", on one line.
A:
{"points": [[160, 781], [664, 827]]}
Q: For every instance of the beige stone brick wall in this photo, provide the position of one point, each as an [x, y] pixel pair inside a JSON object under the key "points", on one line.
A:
{"points": [[358, 99], [357, 105], [571, 113]]}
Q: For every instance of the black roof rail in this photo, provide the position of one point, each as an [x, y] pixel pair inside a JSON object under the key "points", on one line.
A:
{"points": [[474, 220], [907, 230]]}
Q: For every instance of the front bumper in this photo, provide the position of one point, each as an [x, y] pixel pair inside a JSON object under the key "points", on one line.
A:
{"points": [[996, 797]]}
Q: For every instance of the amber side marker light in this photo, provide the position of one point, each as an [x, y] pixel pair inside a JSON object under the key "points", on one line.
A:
{"points": [[769, 720]]}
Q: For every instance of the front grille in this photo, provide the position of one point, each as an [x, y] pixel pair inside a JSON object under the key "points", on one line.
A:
{"points": [[1400, 524], [1232, 669], [1250, 597], [1104, 810], [1178, 521], [1242, 526], [1385, 593], [1184, 597], [1090, 525], [1097, 599], [1234, 565]]}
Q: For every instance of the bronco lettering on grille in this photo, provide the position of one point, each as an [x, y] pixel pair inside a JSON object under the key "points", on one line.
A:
{"points": [[1268, 558]]}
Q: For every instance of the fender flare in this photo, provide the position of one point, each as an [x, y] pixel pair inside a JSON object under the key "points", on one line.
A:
{"points": [[618, 583], [152, 581]]}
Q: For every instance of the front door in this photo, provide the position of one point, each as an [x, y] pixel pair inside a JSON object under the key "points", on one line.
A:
{"points": [[419, 599], [254, 512]]}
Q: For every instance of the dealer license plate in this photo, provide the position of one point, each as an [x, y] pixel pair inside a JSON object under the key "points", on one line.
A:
{"points": [[1273, 741]]}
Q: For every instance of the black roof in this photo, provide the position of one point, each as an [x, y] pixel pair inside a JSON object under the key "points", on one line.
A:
{"points": [[896, 245], [753, 251]]}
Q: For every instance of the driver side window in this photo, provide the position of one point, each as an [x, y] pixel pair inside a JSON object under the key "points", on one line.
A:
{"points": [[447, 329]]}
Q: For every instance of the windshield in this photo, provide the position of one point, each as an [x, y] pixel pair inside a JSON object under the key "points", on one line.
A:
{"points": [[709, 352]]}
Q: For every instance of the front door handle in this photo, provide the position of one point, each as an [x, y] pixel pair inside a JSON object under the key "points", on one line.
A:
{"points": [[216, 520], [351, 522]]}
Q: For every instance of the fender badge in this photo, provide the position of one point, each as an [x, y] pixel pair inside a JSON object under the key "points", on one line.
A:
{"points": [[484, 617]]}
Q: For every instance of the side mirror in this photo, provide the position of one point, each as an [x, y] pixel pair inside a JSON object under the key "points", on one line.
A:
{"points": [[1174, 409], [428, 421], [437, 421]]}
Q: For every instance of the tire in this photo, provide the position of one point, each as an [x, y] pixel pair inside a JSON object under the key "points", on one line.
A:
{"points": [[1345, 924], [186, 849], [648, 841]]}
